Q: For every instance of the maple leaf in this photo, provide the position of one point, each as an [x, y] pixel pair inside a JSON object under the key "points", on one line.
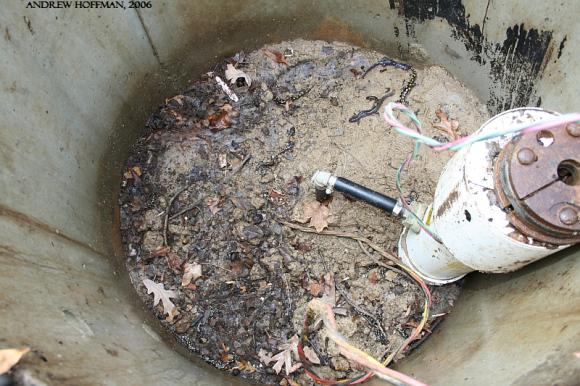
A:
{"points": [[276, 56], [233, 74], [284, 357], [161, 294], [317, 213], [191, 272], [448, 126], [11, 356]]}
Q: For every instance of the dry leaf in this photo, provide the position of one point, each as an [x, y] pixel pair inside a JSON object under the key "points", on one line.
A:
{"points": [[276, 56], [290, 382], [275, 194], [245, 366], [160, 251], [374, 277], [233, 74], [265, 356], [302, 247], [284, 357], [160, 293], [220, 120], [318, 214], [191, 272], [448, 126], [311, 355], [315, 288], [223, 160], [212, 203], [171, 317], [11, 356], [225, 356], [174, 262], [329, 292], [137, 170]]}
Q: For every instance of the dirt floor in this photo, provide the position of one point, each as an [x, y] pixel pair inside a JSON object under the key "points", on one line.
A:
{"points": [[207, 185]]}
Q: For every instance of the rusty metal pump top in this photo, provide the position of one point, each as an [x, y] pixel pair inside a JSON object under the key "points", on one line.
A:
{"points": [[538, 175]]}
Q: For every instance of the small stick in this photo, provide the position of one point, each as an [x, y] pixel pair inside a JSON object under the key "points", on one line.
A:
{"points": [[198, 202], [186, 209], [374, 320], [389, 256], [167, 214], [236, 170], [378, 262]]}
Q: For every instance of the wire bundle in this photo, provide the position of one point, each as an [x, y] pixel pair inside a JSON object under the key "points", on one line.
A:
{"points": [[551, 123], [389, 115]]}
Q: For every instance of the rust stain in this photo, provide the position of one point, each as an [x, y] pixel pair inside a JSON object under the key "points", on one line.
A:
{"points": [[453, 196], [331, 29], [41, 226]]}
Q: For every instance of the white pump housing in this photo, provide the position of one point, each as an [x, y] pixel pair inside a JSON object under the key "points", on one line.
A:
{"points": [[475, 232]]}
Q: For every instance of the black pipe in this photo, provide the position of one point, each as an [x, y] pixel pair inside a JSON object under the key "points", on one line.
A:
{"points": [[367, 195]]}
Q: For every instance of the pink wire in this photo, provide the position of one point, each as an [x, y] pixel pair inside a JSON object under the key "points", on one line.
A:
{"points": [[533, 128]]}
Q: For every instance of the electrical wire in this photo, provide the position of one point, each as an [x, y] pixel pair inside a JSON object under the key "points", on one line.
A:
{"points": [[346, 348], [550, 123], [389, 115]]}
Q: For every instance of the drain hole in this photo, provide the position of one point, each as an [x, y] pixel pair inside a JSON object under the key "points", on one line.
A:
{"points": [[467, 215], [545, 138], [569, 172]]}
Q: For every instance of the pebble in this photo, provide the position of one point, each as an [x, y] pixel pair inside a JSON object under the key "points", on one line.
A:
{"points": [[340, 363], [152, 240], [267, 96], [258, 202], [253, 234], [267, 178]]}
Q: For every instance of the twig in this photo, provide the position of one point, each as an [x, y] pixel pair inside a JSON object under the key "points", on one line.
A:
{"points": [[186, 209], [364, 313], [389, 256], [165, 222], [198, 202], [378, 262], [349, 153], [236, 170]]}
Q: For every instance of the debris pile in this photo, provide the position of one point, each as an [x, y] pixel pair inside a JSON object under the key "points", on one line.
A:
{"points": [[224, 240]]}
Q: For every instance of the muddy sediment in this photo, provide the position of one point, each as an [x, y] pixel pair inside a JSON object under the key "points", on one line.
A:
{"points": [[207, 186]]}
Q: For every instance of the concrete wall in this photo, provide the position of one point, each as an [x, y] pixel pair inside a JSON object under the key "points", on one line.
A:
{"points": [[75, 88]]}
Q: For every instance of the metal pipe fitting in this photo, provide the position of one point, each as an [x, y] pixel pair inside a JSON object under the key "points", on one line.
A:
{"points": [[325, 183]]}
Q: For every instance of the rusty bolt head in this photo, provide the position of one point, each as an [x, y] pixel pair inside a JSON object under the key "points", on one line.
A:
{"points": [[526, 156], [573, 129], [568, 216]]}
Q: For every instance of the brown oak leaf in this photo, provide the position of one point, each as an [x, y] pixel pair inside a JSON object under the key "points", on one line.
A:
{"points": [[161, 294]]}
